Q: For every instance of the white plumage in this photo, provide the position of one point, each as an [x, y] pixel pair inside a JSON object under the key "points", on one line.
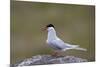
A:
{"points": [[57, 44]]}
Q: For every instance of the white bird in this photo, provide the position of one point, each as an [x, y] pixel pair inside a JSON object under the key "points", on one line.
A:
{"points": [[56, 43]]}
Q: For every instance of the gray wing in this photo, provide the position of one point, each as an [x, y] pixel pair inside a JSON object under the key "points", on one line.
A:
{"points": [[59, 44]]}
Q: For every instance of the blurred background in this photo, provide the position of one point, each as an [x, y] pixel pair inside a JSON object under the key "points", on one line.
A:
{"points": [[74, 24]]}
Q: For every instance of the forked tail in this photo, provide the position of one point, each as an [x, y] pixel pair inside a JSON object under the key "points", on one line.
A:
{"points": [[79, 48], [76, 47]]}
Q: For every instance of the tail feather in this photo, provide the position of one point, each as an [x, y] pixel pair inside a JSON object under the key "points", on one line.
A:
{"points": [[76, 47], [79, 48], [73, 46]]}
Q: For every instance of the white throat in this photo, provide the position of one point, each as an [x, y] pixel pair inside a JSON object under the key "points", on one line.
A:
{"points": [[51, 34]]}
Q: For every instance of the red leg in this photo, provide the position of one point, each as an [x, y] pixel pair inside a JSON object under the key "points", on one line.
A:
{"points": [[57, 53]]}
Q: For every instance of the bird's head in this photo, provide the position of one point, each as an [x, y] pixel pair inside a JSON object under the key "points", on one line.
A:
{"points": [[48, 26]]}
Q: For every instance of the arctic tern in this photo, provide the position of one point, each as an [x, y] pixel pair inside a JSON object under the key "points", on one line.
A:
{"points": [[56, 43]]}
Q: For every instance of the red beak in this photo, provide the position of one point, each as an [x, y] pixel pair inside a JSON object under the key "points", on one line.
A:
{"points": [[45, 28]]}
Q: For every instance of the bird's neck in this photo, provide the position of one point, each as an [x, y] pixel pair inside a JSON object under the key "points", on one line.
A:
{"points": [[51, 34]]}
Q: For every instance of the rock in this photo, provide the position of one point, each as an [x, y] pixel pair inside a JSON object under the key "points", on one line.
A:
{"points": [[48, 59]]}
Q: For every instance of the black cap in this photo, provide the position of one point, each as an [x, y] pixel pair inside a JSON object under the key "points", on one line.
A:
{"points": [[50, 25]]}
